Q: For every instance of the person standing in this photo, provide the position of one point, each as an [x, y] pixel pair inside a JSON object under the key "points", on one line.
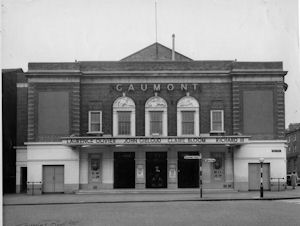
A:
{"points": [[294, 180]]}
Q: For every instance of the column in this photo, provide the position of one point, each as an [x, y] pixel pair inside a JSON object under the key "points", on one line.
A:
{"points": [[172, 169], [229, 167], [140, 169]]}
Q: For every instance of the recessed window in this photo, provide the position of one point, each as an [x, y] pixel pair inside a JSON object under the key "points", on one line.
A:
{"points": [[156, 117], [124, 116], [124, 122], [156, 122], [217, 121], [188, 116], [188, 122], [95, 121]]}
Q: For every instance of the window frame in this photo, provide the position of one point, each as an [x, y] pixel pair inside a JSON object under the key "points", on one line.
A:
{"points": [[190, 104], [156, 103], [194, 122], [123, 104], [90, 122], [211, 121], [118, 122], [161, 123]]}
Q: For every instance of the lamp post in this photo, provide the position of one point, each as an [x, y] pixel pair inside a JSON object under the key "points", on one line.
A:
{"points": [[261, 160]]}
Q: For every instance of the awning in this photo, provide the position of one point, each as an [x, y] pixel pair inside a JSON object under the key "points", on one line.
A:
{"points": [[170, 140]]}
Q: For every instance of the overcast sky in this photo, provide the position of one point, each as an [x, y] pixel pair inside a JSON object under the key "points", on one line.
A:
{"points": [[65, 30]]}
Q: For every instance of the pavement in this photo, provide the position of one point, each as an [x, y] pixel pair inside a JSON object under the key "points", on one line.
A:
{"points": [[154, 195]]}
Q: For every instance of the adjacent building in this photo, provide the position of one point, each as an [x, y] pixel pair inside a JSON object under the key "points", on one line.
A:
{"points": [[293, 148], [9, 127], [131, 123]]}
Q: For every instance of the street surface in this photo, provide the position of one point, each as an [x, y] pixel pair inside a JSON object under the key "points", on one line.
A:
{"points": [[214, 213]]}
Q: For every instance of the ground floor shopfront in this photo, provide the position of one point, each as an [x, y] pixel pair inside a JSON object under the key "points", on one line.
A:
{"points": [[56, 167]]}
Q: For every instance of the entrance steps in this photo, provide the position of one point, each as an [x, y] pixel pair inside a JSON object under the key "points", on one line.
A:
{"points": [[156, 191]]}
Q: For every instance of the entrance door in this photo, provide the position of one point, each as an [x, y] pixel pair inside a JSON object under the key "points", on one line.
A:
{"points": [[188, 171], [124, 170], [23, 179], [254, 176], [53, 179], [156, 170]]}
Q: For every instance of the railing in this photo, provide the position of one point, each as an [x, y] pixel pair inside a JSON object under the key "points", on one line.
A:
{"points": [[34, 188], [278, 181]]}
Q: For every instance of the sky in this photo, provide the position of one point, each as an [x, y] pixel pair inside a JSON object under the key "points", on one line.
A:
{"points": [[103, 30]]}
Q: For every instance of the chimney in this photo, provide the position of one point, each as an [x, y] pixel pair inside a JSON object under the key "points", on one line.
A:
{"points": [[173, 47]]}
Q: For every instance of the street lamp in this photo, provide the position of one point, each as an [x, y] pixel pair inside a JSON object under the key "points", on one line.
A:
{"points": [[261, 160]]}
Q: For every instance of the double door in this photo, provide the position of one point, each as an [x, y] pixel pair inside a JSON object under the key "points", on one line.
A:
{"points": [[156, 170], [188, 171], [124, 170], [254, 176], [53, 179]]}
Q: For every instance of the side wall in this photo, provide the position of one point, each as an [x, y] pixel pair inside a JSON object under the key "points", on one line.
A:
{"points": [[251, 153], [50, 154]]}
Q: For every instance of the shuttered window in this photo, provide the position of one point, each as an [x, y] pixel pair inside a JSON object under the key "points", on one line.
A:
{"points": [[188, 122], [124, 122], [95, 121], [217, 120], [156, 122]]}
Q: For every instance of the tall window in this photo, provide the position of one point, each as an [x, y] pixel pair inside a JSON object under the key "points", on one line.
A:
{"points": [[188, 122], [124, 122], [156, 122], [188, 116], [156, 116], [95, 122], [124, 116], [217, 121]]}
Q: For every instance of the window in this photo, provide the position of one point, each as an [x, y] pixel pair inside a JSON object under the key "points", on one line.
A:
{"points": [[123, 116], [95, 122], [124, 122], [156, 117], [156, 122], [188, 122], [188, 116], [217, 121]]}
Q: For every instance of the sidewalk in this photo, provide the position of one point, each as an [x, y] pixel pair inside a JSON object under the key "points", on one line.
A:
{"points": [[122, 196]]}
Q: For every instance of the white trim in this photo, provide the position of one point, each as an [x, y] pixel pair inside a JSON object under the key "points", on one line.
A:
{"points": [[22, 85], [53, 79], [43, 143], [216, 72], [100, 121], [130, 107], [163, 108], [195, 108], [211, 121], [163, 80]]}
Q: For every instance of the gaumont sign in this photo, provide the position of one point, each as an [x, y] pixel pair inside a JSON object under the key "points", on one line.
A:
{"points": [[154, 140], [158, 87]]}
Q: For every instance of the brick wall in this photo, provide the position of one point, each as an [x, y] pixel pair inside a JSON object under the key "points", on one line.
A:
{"points": [[74, 106], [102, 96], [22, 116], [278, 107]]}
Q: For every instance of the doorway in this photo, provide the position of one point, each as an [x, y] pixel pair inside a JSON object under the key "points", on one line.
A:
{"points": [[188, 171], [156, 170], [124, 170], [23, 188], [254, 176], [53, 179]]}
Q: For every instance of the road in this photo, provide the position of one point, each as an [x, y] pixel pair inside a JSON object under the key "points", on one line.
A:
{"points": [[214, 213]]}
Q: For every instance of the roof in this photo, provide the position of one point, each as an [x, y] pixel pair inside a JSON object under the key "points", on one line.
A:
{"points": [[155, 52], [156, 58]]}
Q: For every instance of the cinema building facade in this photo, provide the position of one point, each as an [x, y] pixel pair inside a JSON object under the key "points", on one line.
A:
{"points": [[129, 123]]}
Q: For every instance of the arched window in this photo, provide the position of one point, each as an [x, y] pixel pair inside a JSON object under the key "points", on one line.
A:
{"points": [[123, 116], [156, 117], [188, 116]]}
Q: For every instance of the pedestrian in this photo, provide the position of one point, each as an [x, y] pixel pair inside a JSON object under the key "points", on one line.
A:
{"points": [[294, 180]]}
